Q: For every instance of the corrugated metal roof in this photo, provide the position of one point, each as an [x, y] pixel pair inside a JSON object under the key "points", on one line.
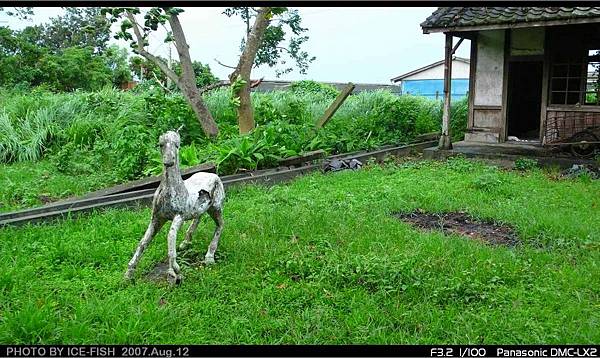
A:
{"points": [[281, 85], [464, 17]]}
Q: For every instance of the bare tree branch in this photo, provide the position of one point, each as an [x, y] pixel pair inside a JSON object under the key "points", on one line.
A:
{"points": [[283, 48], [160, 83], [214, 86], [224, 65], [256, 83]]}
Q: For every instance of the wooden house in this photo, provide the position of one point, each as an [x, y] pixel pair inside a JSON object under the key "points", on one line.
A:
{"points": [[534, 71]]}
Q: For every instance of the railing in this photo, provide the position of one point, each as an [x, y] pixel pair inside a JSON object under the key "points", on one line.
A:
{"points": [[563, 123]]}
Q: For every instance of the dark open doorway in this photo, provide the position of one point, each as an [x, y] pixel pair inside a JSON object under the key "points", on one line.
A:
{"points": [[524, 99]]}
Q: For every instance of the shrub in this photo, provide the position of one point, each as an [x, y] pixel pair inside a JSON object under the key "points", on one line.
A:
{"points": [[314, 87], [525, 164], [487, 181]]}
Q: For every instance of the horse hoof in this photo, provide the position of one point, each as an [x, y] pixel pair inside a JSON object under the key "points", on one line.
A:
{"points": [[173, 278]]}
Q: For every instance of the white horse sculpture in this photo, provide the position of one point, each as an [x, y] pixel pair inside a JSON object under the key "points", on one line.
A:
{"points": [[179, 200]]}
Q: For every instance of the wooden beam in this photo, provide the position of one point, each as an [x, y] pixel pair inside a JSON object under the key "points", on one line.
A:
{"points": [[503, 135], [457, 44], [472, 79], [545, 86], [445, 142], [335, 105]]}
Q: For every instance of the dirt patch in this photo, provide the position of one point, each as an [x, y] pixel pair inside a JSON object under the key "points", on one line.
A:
{"points": [[158, 272], [462, 224]]}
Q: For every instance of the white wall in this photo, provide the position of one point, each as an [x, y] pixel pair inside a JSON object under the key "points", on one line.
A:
{"points": [[490, 68], [459, 70]]}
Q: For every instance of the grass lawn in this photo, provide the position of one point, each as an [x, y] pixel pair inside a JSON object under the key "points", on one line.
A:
{"points": [[26, 184], [322, 260]]}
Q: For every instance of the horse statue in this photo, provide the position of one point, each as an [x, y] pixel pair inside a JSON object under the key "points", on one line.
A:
{"points": [[178, 200]]}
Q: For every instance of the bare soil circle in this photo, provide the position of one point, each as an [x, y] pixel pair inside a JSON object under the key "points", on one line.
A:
{"points": [[462, 224]]}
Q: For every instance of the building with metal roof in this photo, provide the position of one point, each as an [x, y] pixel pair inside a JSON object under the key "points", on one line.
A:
{"points": [[428, 81]]}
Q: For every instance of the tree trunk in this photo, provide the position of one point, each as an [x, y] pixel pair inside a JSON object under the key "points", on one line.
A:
{"points": [[194, 99], [244, 68], [188, 79]]}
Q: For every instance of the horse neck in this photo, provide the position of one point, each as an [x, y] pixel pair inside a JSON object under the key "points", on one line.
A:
{"points": [[172, 177]]}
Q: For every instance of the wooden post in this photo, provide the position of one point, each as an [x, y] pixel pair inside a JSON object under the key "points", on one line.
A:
{"points": [[335, 105], [445, 142]]}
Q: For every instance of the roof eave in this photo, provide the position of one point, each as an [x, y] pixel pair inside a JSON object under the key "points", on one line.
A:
{"points": [[425, 68], [428, 30]]}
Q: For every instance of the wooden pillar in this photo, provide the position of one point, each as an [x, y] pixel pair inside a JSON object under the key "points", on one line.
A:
{"points": [[445, 142]]}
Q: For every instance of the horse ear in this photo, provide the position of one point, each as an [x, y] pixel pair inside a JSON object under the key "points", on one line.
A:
{"points": [[204, 195]]}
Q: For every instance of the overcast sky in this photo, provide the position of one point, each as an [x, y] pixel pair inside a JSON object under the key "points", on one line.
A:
{"points": [[361, 45]]}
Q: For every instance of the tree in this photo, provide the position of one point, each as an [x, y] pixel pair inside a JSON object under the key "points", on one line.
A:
{"points": [[78, 27], [19, 59], [76, 68], [202, 73], [269, 22], [262, 45], [272, 51], [59, 55], [22, 13], [25, 63], [240, 77], [116, 60], [137, 33]]}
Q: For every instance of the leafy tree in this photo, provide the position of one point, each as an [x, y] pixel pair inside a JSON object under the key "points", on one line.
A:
{"points": [[116, 60], [145, 69], [76, 68], [19, 12], [26, 63], [273, 51], [19, 59], [263, 45], [186, 81], [78, 27]]}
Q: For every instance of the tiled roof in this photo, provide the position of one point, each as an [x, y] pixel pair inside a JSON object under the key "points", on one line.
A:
{"points": [[452, 17]]}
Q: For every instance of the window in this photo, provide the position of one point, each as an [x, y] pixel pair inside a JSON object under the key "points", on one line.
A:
{"points": [[592, 90], [566, 81], [574, 64]]}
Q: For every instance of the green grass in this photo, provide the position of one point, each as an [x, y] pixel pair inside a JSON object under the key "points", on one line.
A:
{"points": [[26, 184], [321, 260]]}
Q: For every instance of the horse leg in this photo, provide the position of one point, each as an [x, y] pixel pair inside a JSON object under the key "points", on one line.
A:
{"points": [[153, 228], [172, 273], [189, 233], [217, 216]]}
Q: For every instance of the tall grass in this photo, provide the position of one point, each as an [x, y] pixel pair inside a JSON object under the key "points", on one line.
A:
{"points": [[119, 129]]}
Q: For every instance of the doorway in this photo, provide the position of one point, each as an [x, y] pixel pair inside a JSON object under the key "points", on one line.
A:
{"points": [[524, 100]]}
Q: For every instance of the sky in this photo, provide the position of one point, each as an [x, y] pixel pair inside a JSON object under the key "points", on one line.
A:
{"points": [[351, 44]]}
